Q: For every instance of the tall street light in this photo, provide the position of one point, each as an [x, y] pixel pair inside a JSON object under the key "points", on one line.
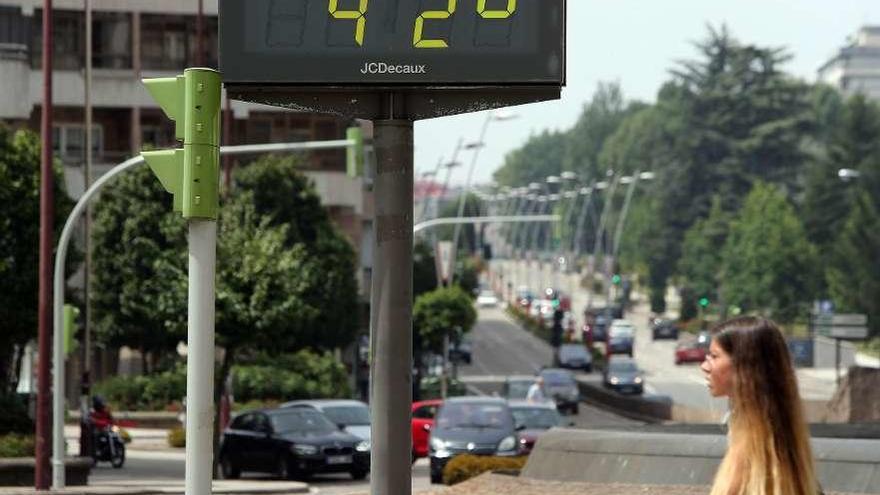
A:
{"points": [[479, 144]]}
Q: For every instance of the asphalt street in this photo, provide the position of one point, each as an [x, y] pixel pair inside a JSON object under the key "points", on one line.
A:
{"points": [[502, 348]]}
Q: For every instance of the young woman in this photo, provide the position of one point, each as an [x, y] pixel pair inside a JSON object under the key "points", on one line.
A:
{"points": [[769, 444]]}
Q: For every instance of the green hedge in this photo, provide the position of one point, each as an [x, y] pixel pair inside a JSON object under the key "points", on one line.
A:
{"points": [[535, 326], [430, 388], [16, 445], [14, 416], [304, 375], [465, 466]]}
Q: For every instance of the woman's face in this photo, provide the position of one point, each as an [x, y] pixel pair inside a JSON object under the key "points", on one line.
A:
{"points": [[718, 368]]}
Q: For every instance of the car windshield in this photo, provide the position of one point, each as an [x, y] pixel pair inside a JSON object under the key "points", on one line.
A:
{"points": [[558, 378], [518, 389], [536, 418], [623, 367], [572, 351], [474, 415], [301, 421], [348, 415], [622, 331]]}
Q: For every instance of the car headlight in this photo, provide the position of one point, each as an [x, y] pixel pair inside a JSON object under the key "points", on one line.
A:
{"points": [[304, 449], [638, 379], [615, 380], [363, 446], [437, 444], [506, 445]]}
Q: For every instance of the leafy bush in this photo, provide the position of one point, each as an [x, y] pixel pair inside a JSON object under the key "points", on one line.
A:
{"points": [[16, 445], [464, 467], [304, 375], [177, 438], [144, 393], [430, 388], [14, 416]]}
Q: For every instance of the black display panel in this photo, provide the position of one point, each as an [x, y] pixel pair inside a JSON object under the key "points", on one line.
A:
{"points": [[393, 42]]}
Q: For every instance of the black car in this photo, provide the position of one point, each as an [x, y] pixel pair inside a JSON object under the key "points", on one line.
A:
{"points": [[560, 385], [624, 376], [663, 329], [471, 425], [576, 357], [460, 352], [291, 443]]}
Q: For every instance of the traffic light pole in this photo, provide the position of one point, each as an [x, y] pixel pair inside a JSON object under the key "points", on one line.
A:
{"points": [[391, 309]]}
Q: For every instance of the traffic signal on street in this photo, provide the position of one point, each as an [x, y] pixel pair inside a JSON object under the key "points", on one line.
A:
{"points": [[71, 327], [704, 301], [615, 279], [192, 173], [354, 158]]}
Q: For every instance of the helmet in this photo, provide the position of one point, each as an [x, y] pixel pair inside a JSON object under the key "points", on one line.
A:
{"points": [[98, 403]]}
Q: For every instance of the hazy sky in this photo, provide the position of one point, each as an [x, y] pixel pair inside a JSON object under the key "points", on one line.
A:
{"points": [[635, 42]]}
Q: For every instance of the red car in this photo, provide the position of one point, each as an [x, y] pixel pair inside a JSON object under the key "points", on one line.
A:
{"points": [[422, 421], [690, 352]]}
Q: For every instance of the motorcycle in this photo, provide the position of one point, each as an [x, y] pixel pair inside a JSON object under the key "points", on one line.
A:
{"points": [[109, 447]]}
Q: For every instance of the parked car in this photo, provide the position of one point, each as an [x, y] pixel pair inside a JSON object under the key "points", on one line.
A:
{"points": [[471, 425], [516, 386], [624, 376], [621, 337], [560, 385], [461, 351], [663, 329], [690, 351], [487, 299], [532, 420], [423, 414], [575, 356], [291, 443], [351, 415]]}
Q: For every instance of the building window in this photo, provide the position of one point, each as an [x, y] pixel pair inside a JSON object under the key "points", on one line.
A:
{"points": [[157, 136], [67, 39], [13, 29], [164, 43], [68, 142], [111, 40]]}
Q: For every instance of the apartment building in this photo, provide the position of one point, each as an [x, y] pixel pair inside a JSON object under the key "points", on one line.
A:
{"points": [[855, 68], [135, 39]]}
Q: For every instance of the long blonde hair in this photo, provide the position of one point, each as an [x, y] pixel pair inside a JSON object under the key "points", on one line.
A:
{"points": [[769, 451]]}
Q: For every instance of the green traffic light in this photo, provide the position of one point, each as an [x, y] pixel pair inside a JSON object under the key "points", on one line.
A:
{"points": [[704, 301], [615, 279]]}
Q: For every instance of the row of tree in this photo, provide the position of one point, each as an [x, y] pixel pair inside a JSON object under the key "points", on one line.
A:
{"points": [[747, 208]]}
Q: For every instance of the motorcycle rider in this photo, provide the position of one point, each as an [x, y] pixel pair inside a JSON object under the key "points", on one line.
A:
{"points": [[100, 418]]}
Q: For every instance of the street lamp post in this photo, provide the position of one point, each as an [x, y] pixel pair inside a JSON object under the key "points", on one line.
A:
{"points": [[600, 228], [476, 147]]}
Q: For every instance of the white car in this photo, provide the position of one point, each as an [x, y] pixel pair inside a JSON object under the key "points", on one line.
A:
{"points": [[487, 298]]}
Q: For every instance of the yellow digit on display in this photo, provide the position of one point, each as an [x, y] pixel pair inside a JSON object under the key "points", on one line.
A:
{"points": [[418, 42], [352, 14], [495, 14]]}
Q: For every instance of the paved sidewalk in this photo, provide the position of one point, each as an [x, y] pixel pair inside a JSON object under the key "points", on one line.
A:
{"points": [[231, 487], [494, 484]]}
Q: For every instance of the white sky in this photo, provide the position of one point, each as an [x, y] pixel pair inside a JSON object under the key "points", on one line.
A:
{"points": [[635, 42]]}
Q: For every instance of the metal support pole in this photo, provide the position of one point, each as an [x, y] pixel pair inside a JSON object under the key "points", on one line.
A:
{"points": [[42, 473], [85, 434], [200, 357], [600, 230], [391, 310]]}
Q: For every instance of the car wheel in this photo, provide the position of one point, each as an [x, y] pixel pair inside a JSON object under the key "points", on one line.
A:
{"points": [[436, 478], [282, 471], [359, 473], [575, 409], [228, 469], [588, 368]]}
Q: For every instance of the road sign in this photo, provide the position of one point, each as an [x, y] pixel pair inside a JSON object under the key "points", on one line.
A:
{"points": [[842, 326], [380, 42]]}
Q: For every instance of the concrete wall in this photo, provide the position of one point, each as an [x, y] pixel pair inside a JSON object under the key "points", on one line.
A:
{"points": [[681, 458]]}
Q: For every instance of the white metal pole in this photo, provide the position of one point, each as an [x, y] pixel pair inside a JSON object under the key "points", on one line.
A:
{"points": [[200, 357]]}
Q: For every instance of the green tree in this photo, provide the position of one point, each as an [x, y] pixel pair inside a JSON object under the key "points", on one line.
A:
{"points": [[599, 120], [853, 143], [19, 244], [769, 265], [539, 157], [701, 261], [442, 312], [854, 277]]}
